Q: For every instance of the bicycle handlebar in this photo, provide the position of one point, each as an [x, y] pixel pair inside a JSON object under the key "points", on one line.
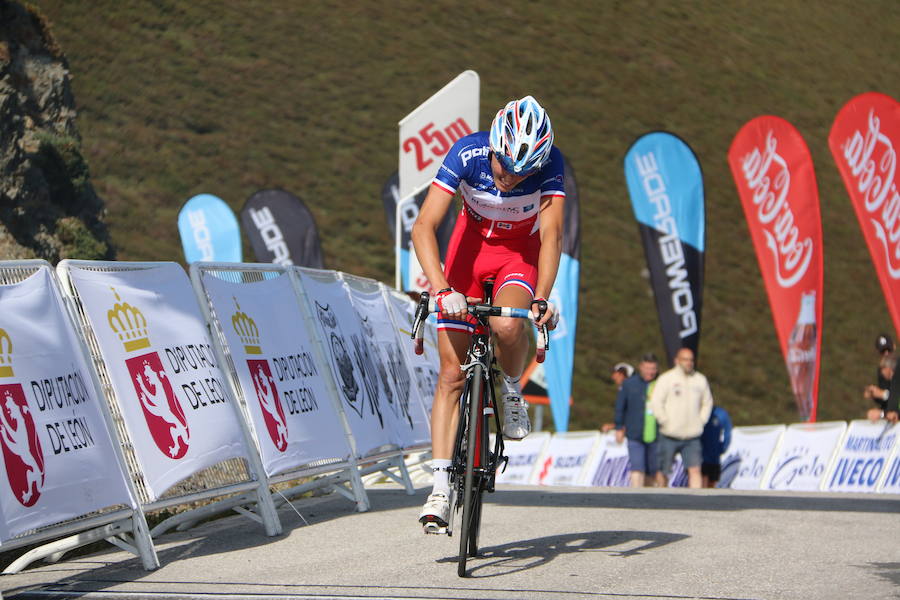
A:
{"points": [[428, 305]]}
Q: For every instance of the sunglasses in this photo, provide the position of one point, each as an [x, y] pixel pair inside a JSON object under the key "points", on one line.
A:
{"points": [[510, 167]]}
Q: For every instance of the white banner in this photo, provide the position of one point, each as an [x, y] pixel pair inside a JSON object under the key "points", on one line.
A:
{"points": [[171, 392], [564, 458], [403, 409], [524, 456], [608, 466], [354, 374], [891, 483], [423, 367], [750, 451], [427, 133], [58, 455], [283, 384], [804, 455], [862, 457]]}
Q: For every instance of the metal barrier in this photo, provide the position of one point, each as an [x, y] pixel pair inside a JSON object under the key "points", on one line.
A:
{"points": [[120, 525], [235, 483], [336, 474], [387, 458]]}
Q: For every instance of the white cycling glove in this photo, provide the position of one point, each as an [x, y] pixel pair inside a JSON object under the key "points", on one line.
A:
{"points": [[551, 308], [451, 302]]}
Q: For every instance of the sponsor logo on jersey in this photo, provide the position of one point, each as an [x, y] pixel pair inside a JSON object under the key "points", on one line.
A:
{"points": [[467, 155]]}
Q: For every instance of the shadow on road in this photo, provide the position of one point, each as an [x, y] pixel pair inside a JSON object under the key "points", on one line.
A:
{"points": [[887, 571], [701, 500], [494, 561]]}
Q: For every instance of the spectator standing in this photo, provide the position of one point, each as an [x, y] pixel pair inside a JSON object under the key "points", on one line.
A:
{"points": [[619, 373], [715, 440], [631, 412], [681, 402], [879, 394]]}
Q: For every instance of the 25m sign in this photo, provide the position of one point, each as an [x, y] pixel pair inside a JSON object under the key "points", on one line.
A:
{"points": [[431, 143], [428, 132]]}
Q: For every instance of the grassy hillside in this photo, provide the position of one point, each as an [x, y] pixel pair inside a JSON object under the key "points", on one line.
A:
{"points": [[228, 97]]}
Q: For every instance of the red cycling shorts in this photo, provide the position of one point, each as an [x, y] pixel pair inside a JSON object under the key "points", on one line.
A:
{"points": [[472, 258]]}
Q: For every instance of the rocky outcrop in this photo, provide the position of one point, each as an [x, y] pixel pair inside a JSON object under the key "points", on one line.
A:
{"points": [[48, 208]]}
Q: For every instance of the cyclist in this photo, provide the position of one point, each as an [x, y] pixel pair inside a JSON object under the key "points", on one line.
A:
{"points": [[509, 229]]}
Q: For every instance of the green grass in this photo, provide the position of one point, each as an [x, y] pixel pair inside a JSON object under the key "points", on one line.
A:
{"points": [[228, 97]]}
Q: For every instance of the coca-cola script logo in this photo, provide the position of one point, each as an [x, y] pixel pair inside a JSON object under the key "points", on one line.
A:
{"points": [[22, 452], [768, 177], [267, 394], [162, 411], [872, 161]]}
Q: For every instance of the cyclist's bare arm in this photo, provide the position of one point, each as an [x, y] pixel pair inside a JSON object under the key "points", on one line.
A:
{"points": [[551, 233], [424, 235]]}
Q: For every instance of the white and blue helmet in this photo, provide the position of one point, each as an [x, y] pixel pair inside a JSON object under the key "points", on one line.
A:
{"points": [[521, 136]]}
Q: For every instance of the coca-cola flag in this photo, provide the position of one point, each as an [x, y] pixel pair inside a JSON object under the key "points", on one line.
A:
{"points": [[864, 140], [774, 174], [666, 188], [282, 230]]}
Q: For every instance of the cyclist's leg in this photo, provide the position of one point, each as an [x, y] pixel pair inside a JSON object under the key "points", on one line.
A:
{"points": [[511, 334], [452, 345], [515, 281]]}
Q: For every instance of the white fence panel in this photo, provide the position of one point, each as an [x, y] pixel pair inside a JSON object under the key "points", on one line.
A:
{"points": [[150, 343], [403, 407], [608, 465], [748, 456], [524, 457], [803, 456], [282, 384], [63, 467], [565, 458], [862, 457], [347, 350], [424, 367]]}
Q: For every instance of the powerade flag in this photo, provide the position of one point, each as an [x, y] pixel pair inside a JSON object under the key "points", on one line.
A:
{"points": [[864, 141], [666, 188], [774, 174], [559, 362], [411, 276], [209, 230], [281, 229]]}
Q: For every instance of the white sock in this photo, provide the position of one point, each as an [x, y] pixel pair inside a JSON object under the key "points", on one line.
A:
{"points": [[439, 467], [510, 384]]}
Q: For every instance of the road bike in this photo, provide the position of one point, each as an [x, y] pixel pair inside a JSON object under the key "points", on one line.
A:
{"points": [[475, 462]]}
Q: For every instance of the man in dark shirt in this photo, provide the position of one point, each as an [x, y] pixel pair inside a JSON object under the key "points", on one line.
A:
{"points": [[631, 409]]}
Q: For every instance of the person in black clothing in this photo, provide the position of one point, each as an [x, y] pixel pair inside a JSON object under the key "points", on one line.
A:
{"points": [[880, 392], [631, 409]]}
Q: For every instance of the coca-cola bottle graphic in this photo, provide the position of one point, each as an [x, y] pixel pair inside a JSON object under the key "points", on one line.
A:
{"points": [[801, 355]]}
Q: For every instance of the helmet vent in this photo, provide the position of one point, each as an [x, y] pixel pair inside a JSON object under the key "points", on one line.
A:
{"points": [[523, 150]]}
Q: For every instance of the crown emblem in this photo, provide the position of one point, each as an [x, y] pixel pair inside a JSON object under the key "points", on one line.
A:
{"points": [[246, 329], [129, 323], [6, 347]]}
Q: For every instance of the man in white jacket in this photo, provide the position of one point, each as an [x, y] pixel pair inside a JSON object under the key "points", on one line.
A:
{"points": [[681, 402]]}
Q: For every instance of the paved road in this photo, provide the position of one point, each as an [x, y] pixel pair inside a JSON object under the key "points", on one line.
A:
{"points": [[540, 543]]}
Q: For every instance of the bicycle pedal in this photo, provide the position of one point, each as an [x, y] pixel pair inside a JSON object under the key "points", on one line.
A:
{"points": [[434, 528]]}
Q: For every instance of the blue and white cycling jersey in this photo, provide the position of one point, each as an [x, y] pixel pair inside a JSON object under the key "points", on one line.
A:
{"points": [[513, 214]]}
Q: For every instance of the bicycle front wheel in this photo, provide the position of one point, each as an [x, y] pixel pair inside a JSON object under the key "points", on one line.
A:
{"points": [[471, 515]]}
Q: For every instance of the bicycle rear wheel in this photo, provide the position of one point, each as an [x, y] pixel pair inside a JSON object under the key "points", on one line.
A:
{"points": [[472, 488]]}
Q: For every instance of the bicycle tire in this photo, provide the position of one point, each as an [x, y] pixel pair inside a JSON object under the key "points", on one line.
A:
{"points": [[471, 495]]}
